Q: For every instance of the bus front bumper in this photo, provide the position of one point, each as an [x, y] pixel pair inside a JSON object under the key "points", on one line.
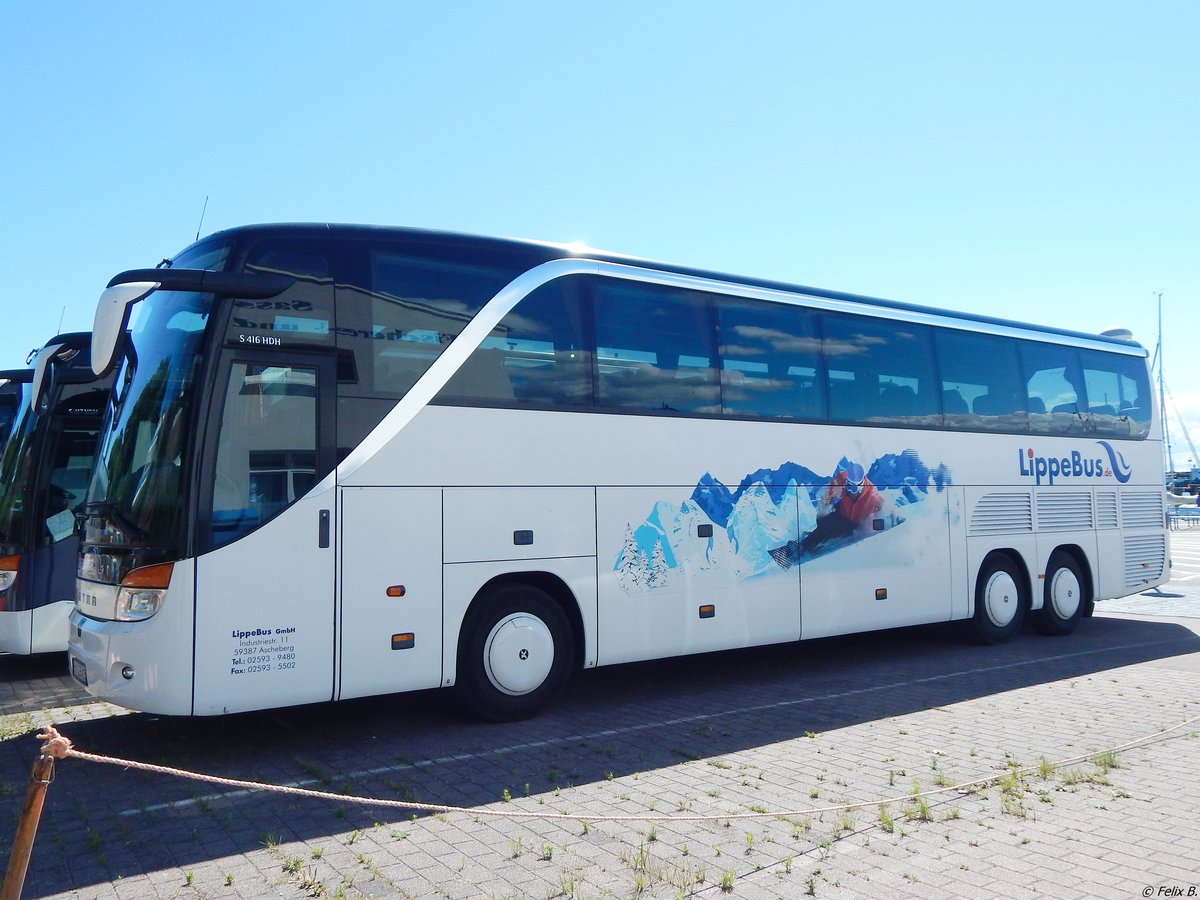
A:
{"points": [[108, 663]]}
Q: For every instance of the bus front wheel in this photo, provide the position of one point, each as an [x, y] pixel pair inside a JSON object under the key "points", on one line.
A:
{"points": [[1000, 600], [514, 655], [1064, 598]]}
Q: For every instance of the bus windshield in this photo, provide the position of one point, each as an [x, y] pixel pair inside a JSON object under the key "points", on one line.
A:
{"points": [[10, 401], [15, 460], [137, 486], [45, 464]]}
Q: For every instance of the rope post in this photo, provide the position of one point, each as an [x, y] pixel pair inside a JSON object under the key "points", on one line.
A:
{"points": [[54, 747]]}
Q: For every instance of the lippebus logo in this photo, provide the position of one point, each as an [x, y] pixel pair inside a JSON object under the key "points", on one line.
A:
{"points": [[1076, 465]]}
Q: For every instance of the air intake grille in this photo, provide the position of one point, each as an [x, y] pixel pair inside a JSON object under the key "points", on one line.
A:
{"points": [[1106, 509], [1145, 558], [1142, 509], [1061, 511], [1002, 514]]}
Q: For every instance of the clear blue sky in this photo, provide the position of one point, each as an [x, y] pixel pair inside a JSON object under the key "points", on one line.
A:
{"points": [[1031, 160]]}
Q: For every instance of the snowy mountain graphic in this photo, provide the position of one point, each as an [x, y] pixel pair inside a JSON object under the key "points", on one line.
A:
{"points": [[774, 519]]}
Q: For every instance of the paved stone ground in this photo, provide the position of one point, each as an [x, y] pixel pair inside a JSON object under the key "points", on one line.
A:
{"points": [[785, 731]]}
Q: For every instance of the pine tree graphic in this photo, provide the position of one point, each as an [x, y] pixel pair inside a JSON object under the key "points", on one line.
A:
{"points": [[658, 573], [633, 570]]}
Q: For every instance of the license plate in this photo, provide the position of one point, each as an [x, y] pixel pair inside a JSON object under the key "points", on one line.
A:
{"points": [[79, 670]]}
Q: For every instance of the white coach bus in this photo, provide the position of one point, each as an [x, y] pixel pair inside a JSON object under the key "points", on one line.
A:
{"points": [[345, 461]]}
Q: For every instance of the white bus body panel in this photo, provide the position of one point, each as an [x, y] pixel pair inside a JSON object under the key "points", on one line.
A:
{"points": [[1109, 571], [910, 564], [39, 630], [482, 524], [390, 537], [395, 537], [48, 627], [649, 603], [644, 469], [15, 631], [962, 602], [158, 650], [264, 635]]}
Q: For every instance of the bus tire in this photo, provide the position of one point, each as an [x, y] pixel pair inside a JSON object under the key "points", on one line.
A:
{"points": [[1001, 598], [514, 655], [1064, 595]]}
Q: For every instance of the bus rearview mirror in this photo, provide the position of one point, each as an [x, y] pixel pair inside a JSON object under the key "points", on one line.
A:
{"points": [[112, 312]]}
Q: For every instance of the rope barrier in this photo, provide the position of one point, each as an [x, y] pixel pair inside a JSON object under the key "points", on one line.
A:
{"points": [[59, 747]]}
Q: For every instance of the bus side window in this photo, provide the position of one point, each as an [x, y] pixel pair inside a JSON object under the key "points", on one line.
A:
{"points": [[1118, 393], [399, 308], [536, 357], [654, 349], [770, 357], [301, 315], [981, 381], [267, 449], [1054, 384], [481, 377], [71, 468], [953, 403], [884, 371], [851, 395]]}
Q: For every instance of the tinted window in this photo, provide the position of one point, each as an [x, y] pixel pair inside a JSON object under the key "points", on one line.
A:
{"points": [[1118, 393], [10, 399], [267, 450], [537, 356], [300, 316], [356, 417], [654, 349], [398, 311], [583, 342], [770, 360], [210, 255], [70, 468], [880, 371], [1054, 388], [980, 381]]}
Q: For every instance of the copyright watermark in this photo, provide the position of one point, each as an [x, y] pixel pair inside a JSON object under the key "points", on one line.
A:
{"points": [[1171, 890]]}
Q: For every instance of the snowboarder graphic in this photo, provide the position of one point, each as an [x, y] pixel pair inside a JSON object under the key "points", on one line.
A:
{"points": [[844, 506]]}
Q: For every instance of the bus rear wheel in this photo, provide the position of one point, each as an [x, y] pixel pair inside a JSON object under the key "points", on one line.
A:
{"points": [[1064, 596], [514, 655], [1001, 598]]}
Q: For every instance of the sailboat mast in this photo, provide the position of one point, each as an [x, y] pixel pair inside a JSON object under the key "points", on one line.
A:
{"points": [[1162, 394]]}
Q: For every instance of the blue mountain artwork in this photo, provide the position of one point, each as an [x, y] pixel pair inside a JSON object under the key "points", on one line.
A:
{"points": [[774, 519]]}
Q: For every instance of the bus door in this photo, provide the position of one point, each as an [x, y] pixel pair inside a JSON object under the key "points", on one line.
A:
{"points": [[64, 468], [264, 601]]}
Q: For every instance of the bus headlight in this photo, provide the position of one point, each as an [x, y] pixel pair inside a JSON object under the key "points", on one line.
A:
{"points": [[142, 592], [133, 605]]}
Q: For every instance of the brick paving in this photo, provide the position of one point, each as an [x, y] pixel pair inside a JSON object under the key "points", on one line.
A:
{"points": [[783, 730]]}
